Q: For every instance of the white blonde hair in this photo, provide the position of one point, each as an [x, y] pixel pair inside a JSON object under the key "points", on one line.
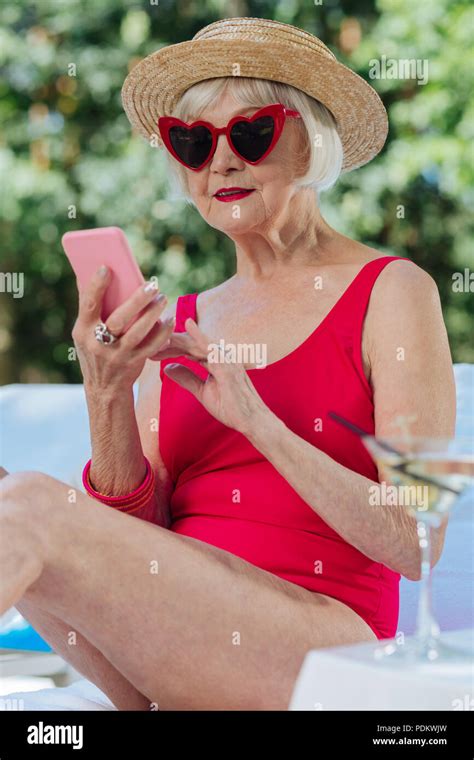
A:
{"points": [[322, 152]]}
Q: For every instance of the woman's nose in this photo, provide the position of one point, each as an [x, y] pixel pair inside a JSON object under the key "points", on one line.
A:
{"points": [[224, 158]]}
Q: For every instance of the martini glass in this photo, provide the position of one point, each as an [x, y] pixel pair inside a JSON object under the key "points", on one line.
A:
{"points": [[429, 474]]}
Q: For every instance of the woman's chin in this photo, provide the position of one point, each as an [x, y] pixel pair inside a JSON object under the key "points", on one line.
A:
{"points": [[227, 222]]}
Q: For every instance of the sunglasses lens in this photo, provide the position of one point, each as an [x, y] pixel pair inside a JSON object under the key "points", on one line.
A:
{"points": [[191, 145], [253, 138]]}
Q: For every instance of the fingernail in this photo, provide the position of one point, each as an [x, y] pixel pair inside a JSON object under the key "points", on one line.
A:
{"points": [[103, 270], [152, 285], [171, 322]]}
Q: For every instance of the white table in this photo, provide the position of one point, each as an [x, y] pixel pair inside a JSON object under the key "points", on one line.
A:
{"points": [[348, 678]]}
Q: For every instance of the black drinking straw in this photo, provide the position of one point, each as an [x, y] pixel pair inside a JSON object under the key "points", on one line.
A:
{"points": [[400, 467]]}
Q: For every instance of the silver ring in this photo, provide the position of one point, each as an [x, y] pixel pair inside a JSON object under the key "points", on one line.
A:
{"points": [[103, 335]]}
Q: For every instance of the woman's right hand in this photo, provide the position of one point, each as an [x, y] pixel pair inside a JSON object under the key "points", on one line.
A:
{"points": [[118, 365]]}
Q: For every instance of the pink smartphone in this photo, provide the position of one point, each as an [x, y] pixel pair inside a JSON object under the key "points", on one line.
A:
{"points": [[88, 249]]}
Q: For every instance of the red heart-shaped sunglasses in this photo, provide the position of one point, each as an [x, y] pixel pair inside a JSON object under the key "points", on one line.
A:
{"points": [[251, 139]]}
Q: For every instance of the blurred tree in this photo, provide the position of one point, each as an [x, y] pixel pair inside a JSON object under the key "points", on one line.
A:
{"points": [[68, 159]]}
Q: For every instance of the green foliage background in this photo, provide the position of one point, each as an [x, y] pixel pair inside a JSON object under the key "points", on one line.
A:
{"points": [[66, 141]]}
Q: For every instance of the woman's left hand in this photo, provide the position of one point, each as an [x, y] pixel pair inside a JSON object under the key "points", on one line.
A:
{"points": [[227, 393]]}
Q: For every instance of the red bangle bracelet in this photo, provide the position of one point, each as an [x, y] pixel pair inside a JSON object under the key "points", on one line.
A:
{"points": [[128, 502]]}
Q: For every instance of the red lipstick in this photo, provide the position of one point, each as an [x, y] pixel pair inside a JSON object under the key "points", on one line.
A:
{"points": [[228, 194]]}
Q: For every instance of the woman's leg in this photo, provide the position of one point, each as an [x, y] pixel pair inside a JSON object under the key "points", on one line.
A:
{"points": [[189, 625], [80, 653], [84, 657]]}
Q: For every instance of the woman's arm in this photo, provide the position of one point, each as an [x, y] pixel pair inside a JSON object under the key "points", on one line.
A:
{"points": [[122, 433], [411, 374], [118, 466]]}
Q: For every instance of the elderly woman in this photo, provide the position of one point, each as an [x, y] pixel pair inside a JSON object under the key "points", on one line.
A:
{"points": [[256, 539]]}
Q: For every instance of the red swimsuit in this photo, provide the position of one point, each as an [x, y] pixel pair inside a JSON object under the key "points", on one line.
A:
{"points": [[227, 494]]}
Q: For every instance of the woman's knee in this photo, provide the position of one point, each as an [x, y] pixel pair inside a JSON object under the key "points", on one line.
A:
{"points": [[27, 495], [18, 483]]}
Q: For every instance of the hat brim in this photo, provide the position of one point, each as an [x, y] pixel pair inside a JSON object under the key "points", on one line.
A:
{"points": [[154, 86]]}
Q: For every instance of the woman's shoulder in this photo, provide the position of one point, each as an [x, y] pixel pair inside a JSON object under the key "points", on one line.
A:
{"points": [[183, 301], [215, 296], [400, 273], [402, 292], [404, 278], [405, 292], [176, 303]]}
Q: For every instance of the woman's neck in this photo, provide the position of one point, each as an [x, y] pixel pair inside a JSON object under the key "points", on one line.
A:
{"points": [[300, 238]]}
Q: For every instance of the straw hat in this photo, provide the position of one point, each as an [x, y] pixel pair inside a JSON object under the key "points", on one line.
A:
{"points": [[263, 49]]}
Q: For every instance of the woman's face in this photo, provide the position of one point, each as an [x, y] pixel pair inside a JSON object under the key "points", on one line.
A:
{"points": [[271, 180]]}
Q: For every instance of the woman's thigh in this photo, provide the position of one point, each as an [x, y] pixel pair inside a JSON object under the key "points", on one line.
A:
{"points": [[189, 625]]}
